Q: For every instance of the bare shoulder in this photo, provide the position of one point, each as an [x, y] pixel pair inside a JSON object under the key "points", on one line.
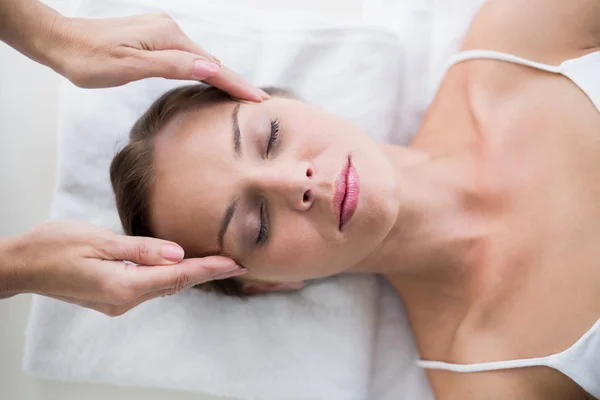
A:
{"points": [[548, 31]]}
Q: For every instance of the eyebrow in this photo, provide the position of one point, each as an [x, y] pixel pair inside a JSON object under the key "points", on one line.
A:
{"points": [[225, 223], [237, 135]]}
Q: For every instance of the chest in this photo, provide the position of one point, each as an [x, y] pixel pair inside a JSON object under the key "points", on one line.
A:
{"points": [[538, 159]]}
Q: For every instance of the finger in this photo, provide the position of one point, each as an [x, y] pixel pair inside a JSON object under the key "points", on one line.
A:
{"points": [[164, 34], [143, 250], [118, 310], [230, 82], [220, 269], [190, 46], [177, 277], [175, 64], [227, 80]]}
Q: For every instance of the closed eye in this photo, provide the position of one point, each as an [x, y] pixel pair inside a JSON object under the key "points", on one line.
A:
{"points": [[273, 136], [263, 232]]}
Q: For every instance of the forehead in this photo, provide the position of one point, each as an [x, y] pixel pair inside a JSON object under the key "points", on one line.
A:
{"points": [[193, 164]]}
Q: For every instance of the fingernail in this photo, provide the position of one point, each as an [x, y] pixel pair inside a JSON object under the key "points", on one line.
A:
{"points": [[204, 68], [264, 95], [237, 271], [172, 253], [216, 60], [224, 264], [259, 95]]}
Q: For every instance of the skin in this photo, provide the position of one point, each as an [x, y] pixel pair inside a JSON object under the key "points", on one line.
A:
{"points": [[296, 181], [525, 282], [110, 52], [76, 262], [494, 239]]}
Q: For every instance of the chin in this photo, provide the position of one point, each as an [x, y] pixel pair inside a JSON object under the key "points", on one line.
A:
{"points": [[379, 202], [368, 229]]}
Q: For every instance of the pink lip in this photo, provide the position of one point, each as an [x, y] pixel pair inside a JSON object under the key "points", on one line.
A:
{"points": [[347, 189]]}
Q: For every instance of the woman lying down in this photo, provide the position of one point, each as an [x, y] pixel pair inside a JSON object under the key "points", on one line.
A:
{"points": [[488, 225]]}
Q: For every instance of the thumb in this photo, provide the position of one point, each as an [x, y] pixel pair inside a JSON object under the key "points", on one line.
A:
{"points": [[144, 250], [176, 64], [190, 271]]}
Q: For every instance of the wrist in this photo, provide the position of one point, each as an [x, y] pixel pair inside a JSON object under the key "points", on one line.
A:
{"points": [[6, 276], [62, 46], [50, 45], [12, 275], [32, 28]]}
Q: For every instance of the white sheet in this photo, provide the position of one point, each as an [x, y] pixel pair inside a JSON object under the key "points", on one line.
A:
{"points": [[344, 338]]}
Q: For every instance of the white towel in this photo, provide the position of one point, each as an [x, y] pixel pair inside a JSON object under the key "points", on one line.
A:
{"points": [[344, 338]]}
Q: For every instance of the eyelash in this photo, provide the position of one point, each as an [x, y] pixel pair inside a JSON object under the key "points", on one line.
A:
{"points": [[263, 232], [274, 135]]}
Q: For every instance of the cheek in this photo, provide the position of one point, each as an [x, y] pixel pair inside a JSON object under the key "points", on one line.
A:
{"points": [[292, 254], [311, 131]]}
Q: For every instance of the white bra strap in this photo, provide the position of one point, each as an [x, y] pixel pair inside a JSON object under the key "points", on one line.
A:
{"points": [[496, 55], [487, 366], [579, 362]]}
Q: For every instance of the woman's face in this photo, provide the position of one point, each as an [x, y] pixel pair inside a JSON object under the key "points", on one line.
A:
{"points": [[257, 183]]}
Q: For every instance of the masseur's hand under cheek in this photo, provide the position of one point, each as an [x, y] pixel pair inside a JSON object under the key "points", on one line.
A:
{"points": [[267, 183]]}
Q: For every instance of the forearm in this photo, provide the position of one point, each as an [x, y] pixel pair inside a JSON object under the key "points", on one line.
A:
{"points": [[31, 28]]}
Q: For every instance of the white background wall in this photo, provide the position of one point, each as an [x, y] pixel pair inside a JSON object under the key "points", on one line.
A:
{"points": [[28, 109]]}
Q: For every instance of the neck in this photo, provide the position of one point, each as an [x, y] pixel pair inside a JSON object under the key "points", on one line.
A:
{"points": [[437, 235]]}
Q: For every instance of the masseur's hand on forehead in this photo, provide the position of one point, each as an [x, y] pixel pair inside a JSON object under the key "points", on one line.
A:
{"points": [[112, 52], [77, 262], [82, 264]]}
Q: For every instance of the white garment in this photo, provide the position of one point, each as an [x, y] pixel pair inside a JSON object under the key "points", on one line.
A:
{"points": [[581, 362]]}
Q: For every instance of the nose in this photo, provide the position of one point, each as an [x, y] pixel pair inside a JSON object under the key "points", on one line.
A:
{"points": [[293, 185]]}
